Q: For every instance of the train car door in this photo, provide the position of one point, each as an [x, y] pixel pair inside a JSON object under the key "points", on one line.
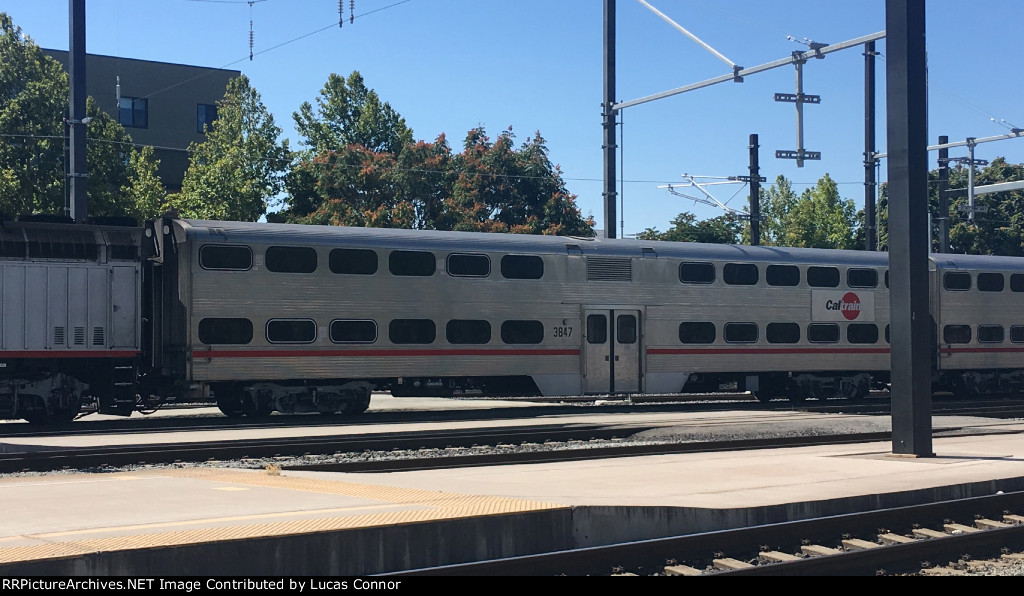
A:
{"points": [[612, 351]]}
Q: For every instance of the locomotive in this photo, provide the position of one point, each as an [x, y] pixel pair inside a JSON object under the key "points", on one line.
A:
{"points": [[260, 317]]}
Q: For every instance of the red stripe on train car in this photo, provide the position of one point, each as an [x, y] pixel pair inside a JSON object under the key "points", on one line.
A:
{"points": [[980, 350], [759, 351], [70, 354], [373, 353]]}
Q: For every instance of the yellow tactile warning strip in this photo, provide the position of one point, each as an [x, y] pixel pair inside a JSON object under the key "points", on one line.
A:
{"points": [[433, 506]]}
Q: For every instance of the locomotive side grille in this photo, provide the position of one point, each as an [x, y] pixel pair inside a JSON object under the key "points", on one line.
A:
{"points": [[58, 336], [609, 269], [97, 336], [79, 337]]}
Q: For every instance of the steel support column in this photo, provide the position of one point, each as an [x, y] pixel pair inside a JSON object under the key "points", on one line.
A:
{"points": [[609, 112], [943, 195], [755, 193], [911, 325], [77, 202], [870, 186]]}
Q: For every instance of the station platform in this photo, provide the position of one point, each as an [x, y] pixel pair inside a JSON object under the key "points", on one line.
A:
{"points": [[220, 521]]}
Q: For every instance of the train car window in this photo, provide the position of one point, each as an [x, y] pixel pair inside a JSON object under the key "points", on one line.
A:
{"points": [[887, 334], [782, 333], [823, 333], [696, 273], [1017, 282], [468, 332], [991, 282], [991, 334], [522, 267], [412, 331], [290, 259], [353, 331], [862, 333], [216, 331], [412, 263], [460, 265], [740, 274], [522, 332], [823, 277], [597, 329], [741, 333], [625, 329], [862, 278], [291, 331], [956, 281], [352, 261], [1017, 334], [887, 279], [219, 257], [697, 333], [956, 334], [782, 275]]}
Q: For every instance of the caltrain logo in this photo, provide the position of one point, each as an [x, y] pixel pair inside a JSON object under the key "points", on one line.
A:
{"points": [[848, 306]]}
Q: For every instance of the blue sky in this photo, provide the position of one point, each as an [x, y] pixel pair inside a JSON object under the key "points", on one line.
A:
{"points": [[535, 65]]}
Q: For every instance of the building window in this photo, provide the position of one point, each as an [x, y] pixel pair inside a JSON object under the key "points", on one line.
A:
{"points": [[205, 115], [133, 112]]}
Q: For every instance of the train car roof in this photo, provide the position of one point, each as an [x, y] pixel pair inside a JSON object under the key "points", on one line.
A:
{"points": [[402, 239]]}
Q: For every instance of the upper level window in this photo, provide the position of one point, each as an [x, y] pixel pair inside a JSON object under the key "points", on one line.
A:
{"points": [[353, 261], [290, 259], [462, 265], [740, 274], [956, 280], [522, 267], [133, 112], [861, 278], [225, 257], [696, 273], [1017, 282], [782, 275], [412, 263], [991, 282], [823, 277], [205, 115]]}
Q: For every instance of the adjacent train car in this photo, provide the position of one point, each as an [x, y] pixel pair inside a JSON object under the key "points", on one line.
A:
{"points": [[69, 319]]}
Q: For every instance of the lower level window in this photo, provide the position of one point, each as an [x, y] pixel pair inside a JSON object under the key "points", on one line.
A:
{"points": [[215, 331], [412, 331], [291, 331]]}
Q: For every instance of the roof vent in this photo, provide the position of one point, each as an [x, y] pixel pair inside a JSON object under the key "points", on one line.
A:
{"points": [[609, 269]]}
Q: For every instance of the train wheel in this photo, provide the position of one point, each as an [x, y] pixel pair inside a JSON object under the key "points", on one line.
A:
{"points": [[254, 406], [229, 401]]}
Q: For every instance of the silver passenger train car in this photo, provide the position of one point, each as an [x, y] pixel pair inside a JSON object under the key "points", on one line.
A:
{"points": [[265, 317]]}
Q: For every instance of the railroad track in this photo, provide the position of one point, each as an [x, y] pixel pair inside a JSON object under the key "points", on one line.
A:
{"points": [[902, 540]]}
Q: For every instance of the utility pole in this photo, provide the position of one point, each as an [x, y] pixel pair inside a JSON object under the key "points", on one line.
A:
{"points": [[870, 185], [943, 195], [77, 203], [609, 113]]}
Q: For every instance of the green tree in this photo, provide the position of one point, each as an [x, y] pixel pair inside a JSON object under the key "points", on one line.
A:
{"points": [[777, 201], [33, 104], [817, 218], [145, 193], [722, 229], [240, 167]]}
